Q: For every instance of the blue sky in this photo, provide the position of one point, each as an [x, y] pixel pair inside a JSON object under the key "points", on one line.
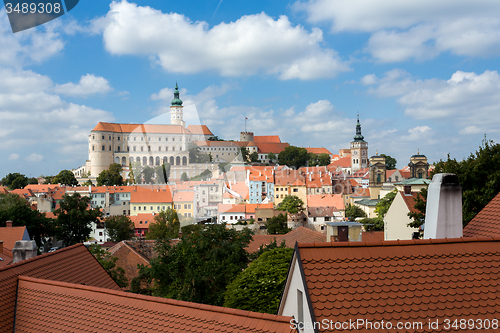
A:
{"points": [[422, 75]]}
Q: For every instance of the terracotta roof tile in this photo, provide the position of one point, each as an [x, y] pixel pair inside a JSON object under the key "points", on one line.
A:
{"points": [[414, 280], [72, 264], [343, 162], [184, 196], [156, 195], [318, 150], [326, 200], [262, 240], [267, 138], [302, 235], [199, 129], [72, 307], [10, 235], [271, 147], [410, 201], [486, 222], [140, 128]]}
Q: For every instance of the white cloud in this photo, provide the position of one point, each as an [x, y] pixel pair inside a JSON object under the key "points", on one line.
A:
{"points": [[13, 157], [417, 133], [251, 45], [403, 30], [89, 85], [34, 158], [468, 100], [30, 46], [30, 114]]}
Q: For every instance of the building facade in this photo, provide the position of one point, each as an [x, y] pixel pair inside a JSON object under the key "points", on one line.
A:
{"points": [[359, 151]]}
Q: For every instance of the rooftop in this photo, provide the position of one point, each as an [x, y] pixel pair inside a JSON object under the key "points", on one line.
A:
{"points": [[486, 222]]}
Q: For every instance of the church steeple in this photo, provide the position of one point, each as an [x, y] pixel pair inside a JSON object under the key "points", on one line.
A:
{"points": [[176, 101], [358, 137]]}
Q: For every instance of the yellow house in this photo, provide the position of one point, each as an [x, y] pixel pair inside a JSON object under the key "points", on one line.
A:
{"points": [[184, 203], [150, 200], [289, 182]]}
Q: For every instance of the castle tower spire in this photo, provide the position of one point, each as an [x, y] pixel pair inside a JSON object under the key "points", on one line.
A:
{"points": [[359, 150], [176, 109]]}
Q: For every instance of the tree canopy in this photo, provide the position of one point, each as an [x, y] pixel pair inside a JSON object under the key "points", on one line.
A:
{"points": [[258, 288], [65, 177], [277, 225], [319, 159], [166, 225], [291, 204], [119, 228], [16, 209], [111, 177], [147, 174], [199, 267], [74, 219], [352, 212], [15, 181], [479, 176], [293, 157], [418, 216], [184, 177], [390, 162]]}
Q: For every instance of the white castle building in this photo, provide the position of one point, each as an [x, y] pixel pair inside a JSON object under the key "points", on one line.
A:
{"points": [[147, 144]]}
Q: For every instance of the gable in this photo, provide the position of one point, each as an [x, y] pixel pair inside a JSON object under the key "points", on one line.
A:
{"points": [[486, 222], [417, 280]]}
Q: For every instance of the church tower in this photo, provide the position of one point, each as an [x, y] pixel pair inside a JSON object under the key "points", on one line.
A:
{"points": [[176, 109], [359, 151]]}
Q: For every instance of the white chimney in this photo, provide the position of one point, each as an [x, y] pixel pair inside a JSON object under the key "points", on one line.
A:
{"points": [[24, 250], [443, 215]]}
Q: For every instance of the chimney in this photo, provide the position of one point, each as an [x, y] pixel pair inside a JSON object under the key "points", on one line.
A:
{"points": [[24, 250], [443, 215], [8, 224], [407, 189], [1, 246]]}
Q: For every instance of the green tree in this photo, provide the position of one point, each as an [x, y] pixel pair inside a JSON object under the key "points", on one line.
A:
{"points": [[377, 223], [206, 174], [65, 177], [215, 138], [166, 225], [244, 154], [196, 155], [254, 157], [479, 176], [420, 206], [199, 267], [293, 157], [390, 162], [271, 156], [111, 177], [74, 218], [265, 248], [119, 228], [147, 174], [108, 262], [15, 181], [162, 173], [258, 288], [277, 225], [135, 172], [16, 209], [352, 212], [324, 159], [291, 204], [224, 167], [184, 177]]}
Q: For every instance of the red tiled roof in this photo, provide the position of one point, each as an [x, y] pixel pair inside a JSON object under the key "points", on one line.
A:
{"points": [[25, 193], [73, 264], [405, 174], [361, 192], [266, 138], [369, 236], [184, 196], [326, 200], [142, 221], [343, 162], [140, 128], [486, 222], [129, 258], [144, 195], [73, 307], [302, 235], [411, 280], [199, 129], [271, 147], [410, 201], [318, 150], [262, 240], [10, 235]]}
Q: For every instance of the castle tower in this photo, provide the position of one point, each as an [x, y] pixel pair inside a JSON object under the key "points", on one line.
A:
{"points": [[359, 150], [176, 109], [419, 167]]}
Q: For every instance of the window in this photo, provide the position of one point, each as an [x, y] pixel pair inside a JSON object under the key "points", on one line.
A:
{"points": [[103, 137], [135, 148], [118, 138], [139, 208], [110, 137], [231, 217], [149, 148], [223, 217], [142, 138], [173, 139], [151, 207], [100, 233], [144, 207], [142, 148], [185, 206], [327, 218], [295, 189], [93, 137], [103, 149], [159, 148], [135, 138], [92, 148], [159, 139], [158, 208], [109, 148]]}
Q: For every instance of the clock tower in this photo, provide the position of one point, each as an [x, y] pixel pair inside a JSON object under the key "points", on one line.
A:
{"points": [[359, 151], [176, 109]]}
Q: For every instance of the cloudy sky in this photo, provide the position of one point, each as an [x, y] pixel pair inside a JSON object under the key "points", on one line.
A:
{"points": [[423, 75]]}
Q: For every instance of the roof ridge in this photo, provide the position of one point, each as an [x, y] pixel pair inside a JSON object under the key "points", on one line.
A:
{"points": [[43, 255], [400, 242], [170, 301], [133, 250]]}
